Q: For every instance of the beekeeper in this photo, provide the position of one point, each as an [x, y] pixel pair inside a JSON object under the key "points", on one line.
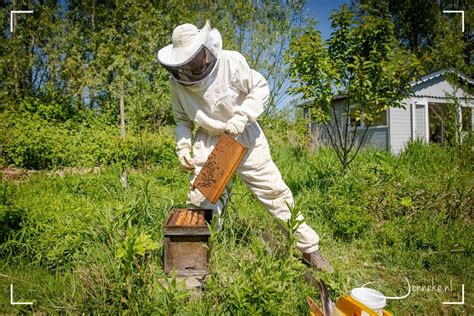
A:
{"points": [[215, 90]]}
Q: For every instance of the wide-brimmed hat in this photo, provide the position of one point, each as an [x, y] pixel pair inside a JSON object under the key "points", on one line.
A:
{"points": [[186, 41]]}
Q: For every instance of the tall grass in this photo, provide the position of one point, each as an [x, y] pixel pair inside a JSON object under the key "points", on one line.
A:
{"points": [[80, 244]]}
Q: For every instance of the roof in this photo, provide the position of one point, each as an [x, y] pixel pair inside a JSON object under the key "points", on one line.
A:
{"points": [[439, 73], [425, 78], [440, 98]]}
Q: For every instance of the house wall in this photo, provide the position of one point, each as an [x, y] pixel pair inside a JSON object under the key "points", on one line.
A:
{"points": [[400, 126], [401, 122], [375, 136], [318, 131]]}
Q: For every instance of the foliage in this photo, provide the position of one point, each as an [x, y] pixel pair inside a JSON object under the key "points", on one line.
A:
{"points": [[361, 61], [32, 141], [388, 216], [265, 50], [78, 55], [435, 37], [259, 281], [172, 294], [453, 120], [84, 55], [74, 242], [130, 252]]}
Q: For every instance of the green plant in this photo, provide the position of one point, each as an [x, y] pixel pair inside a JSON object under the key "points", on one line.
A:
{"points": [[172, 294], [134, 246], [32, 142], [290, 227]]}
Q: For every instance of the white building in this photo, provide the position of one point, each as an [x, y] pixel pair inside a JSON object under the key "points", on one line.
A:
{"points": [[423, 116]]}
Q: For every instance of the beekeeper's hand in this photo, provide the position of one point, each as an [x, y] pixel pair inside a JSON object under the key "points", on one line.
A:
{"points": [[187, 163], [236, 124]]}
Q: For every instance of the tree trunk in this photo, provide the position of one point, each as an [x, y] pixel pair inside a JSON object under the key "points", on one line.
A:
{"points": [[123, 175], [15, 63]]}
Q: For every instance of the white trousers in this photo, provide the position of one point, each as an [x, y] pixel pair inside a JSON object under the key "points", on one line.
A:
{"points": [[260, 174]]}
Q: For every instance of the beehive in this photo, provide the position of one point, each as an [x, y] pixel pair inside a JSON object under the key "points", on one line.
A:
{"points": [[186, 237]]}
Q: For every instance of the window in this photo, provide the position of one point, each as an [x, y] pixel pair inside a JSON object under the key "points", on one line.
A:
{"points": [[356, 121], [380, 119]]}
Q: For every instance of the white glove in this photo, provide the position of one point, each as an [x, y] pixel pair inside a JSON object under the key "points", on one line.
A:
{"points": [[195, 197], [236, 124], [187, 163]]}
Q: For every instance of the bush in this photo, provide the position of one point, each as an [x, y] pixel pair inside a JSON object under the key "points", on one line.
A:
{"points": [[29, 141], [349, 221], [11, 220]]}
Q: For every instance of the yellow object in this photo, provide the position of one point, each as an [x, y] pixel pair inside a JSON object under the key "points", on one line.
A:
{"points": [[345, 306], [348, 306]]}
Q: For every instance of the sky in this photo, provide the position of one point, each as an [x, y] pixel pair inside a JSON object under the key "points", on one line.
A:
{"points": [[321, 10]]}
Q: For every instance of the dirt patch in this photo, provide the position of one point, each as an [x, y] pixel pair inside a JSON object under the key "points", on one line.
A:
{"points": [[16, 175]]}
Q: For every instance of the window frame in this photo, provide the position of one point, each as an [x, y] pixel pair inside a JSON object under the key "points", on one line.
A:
{"points": [[362, 124]]}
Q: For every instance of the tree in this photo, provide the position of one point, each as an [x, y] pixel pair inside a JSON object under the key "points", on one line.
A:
{"points": [[22, 53], [77, 53], [263, 37], [119, 51], [362, 62], [433, 36], [260, 31]]}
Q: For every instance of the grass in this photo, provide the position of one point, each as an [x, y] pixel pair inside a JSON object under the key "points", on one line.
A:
{"points": [[80, 244]]}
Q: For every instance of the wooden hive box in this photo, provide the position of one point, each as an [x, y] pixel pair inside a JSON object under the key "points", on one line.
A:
{"points": [[186, 237]]}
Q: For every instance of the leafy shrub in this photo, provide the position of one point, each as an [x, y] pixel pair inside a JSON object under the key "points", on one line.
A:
{"points": [[348, 220], [257, 283], [35, 143], [11, 221]]}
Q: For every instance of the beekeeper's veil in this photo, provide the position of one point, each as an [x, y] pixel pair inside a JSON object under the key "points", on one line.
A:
{"points": [[193, 54]]}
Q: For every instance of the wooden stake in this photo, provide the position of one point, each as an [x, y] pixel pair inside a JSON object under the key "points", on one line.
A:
{"points": [[123, 176]]}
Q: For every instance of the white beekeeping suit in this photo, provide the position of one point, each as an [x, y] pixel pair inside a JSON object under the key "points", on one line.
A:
{"points": [[216, 90]]}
